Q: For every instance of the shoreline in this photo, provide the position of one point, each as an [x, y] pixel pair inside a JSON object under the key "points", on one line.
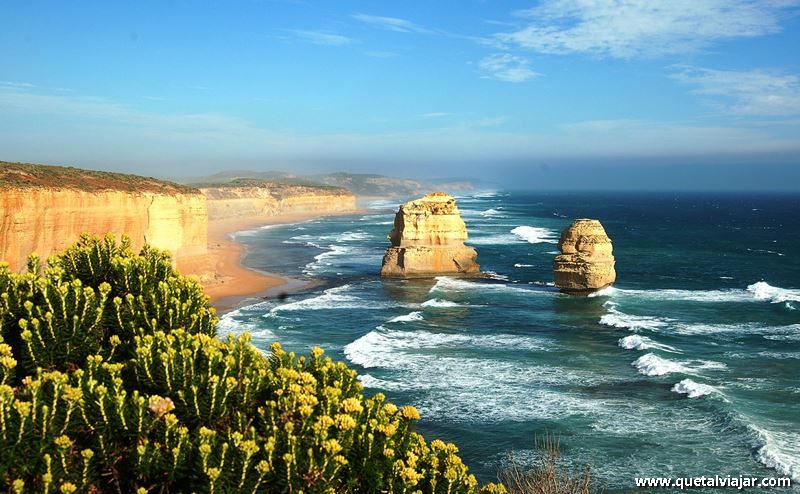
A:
{"points": [[234, 283]]}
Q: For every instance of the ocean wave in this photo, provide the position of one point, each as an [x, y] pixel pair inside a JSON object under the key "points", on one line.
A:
{"points": [[651, 364], [518, 265], [779, 450], [446, 283], [741, 328], [637, 342], [414, 316], [387, 348], [618, 319], [760, 292], [764, 291], [336, 298], [604, 292], [535, 235], [693, 389], [492, 213], [766, 251], [440, 303]]}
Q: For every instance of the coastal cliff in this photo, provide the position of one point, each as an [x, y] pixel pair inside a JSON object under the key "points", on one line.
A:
{"points": [[254, 197], [45, 208], [428, 239], [586, 262]]}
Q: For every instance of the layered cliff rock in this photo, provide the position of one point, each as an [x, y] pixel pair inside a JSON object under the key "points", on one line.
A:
{"points": [[45, 208], [254, 197], [586, 262], [428, 239]]}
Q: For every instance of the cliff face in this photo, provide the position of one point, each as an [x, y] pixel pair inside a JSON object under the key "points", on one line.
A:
{"points": [[586, 262], [270, 199], [45, 220], [428, 239], [45, 208]]}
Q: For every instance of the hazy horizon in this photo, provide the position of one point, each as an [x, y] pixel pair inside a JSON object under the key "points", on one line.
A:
{"points": [[549, 94]]}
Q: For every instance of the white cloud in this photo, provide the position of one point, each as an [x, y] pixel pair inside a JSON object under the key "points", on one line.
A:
{"points": [[634, 28], [321, 37], [391, 23], [507, 67], [753, 92]]}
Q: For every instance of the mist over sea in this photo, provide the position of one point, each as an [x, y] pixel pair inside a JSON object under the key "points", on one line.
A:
{"points": [[688, 366]]}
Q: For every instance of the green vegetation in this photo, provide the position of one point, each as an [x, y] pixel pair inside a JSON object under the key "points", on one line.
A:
{"points": [[112, 380], [279, 188], [62, 177]]}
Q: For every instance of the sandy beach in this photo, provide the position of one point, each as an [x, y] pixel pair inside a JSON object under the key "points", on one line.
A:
{"points": [[235, 283]]}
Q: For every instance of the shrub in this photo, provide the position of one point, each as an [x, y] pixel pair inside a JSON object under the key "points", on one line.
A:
{"points": [[547, 476], [112, 380]]}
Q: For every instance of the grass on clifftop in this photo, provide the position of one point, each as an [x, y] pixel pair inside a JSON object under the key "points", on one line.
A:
{"points": [[278, 188], [26, 175]]}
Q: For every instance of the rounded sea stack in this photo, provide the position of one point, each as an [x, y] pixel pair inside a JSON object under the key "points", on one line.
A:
{"points": [[586, 262], [428, 240]]}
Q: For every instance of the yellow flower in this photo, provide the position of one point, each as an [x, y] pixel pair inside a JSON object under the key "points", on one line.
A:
{"points": [[159, 405], [351, 405], [68, 488], [390, 408], [332, 446], [63, 442], [317, 352], [345, 422], [409, 412]]}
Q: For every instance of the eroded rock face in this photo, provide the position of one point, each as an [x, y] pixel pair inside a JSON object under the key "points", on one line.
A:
{"points": [[428, 239], [586, 262]]}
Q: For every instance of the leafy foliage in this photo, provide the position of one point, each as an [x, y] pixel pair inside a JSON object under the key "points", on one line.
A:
{"points": [[112, 380]]}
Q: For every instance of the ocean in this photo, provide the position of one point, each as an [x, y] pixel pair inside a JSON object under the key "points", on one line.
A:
{"points": [[689, 365]]}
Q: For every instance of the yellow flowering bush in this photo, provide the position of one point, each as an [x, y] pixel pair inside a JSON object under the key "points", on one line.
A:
{"points": [[112, 380]]}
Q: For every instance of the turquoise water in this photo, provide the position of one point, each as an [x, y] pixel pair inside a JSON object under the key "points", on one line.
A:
{"points": [[689, 366]]}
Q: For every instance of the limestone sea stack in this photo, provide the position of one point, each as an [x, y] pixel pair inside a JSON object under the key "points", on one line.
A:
{"points": [[586, 262], [428, 240]]}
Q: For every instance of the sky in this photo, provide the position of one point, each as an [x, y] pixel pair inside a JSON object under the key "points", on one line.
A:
{"points": [[549, 94]]}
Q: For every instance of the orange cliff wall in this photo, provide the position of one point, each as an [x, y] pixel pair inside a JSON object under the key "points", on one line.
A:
{"points": [[45, 220], [233, 202]]}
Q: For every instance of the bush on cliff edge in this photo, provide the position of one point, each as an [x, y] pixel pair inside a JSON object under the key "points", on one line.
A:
{"points": [[112, 380]]}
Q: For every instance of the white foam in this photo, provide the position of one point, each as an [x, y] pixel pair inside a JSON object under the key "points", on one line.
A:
{"points": [[440, 303], [637, 342], [779, 450], [618, 319], [760, 291], [518, 265], [414, 316], [653, 365], [337, 298], [741, 328], [446, 283], [604, 292], [764, 291], [489, 213], [693, 389], [535, 235]]}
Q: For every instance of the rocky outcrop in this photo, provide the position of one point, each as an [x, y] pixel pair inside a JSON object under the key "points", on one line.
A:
{"points": [[586, 262], [428, 239], [44, 209], [252, 197]]}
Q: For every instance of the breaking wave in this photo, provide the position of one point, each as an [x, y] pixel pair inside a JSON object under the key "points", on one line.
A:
{"points": [[693, 389]]}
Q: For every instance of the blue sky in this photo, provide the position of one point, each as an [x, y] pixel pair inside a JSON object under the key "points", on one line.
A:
{"points": [[502, 90]]}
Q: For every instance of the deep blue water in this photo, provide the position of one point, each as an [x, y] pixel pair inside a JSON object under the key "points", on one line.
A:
{"points": [[688, 366]]}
